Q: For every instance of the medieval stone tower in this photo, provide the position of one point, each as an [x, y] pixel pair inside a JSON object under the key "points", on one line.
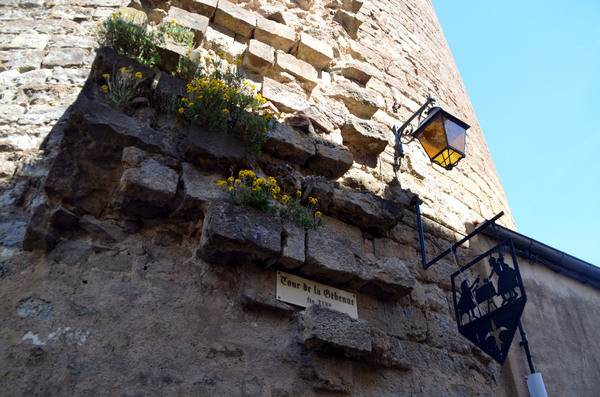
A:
{"points": [[126, 269]]}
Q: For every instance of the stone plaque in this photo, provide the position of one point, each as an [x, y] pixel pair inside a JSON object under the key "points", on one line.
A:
{"points": [[302, 292]]}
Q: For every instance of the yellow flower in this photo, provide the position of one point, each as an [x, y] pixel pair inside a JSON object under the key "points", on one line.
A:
{"points": [[191, 104], [230, 188], [275, 189], [123, 70], [298, 193], [313, 200], [138, 75], [184, 99], [272, 181], [222, 183], [107, 76], [285, 198], [181, 110], [318, 214], [274, 197], [221, 54], [238, 62], [105, 88], [238, 181], [226, 111], [230, 179]]}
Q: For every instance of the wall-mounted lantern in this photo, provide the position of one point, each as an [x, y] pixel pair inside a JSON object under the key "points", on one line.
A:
{"points": [[442, 135]]}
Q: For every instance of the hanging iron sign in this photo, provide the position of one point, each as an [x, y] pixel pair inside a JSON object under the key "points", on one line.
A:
{"points": [[489, 300]]}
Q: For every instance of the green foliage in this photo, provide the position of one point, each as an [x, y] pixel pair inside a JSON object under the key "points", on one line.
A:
{"points": [[218, 97], [136, 41], [121, 88], [178, 32], [265, 195], [189, 69]]}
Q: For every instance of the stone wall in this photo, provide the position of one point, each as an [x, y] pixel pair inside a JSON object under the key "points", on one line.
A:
{"points": [[126, 269]]}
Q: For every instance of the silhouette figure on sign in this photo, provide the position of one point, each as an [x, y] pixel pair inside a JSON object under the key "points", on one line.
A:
{"points": [[466, 302], [486, 293], [507, 278]]}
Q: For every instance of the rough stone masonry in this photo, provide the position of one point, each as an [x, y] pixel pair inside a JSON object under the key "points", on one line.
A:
{"points": [[124, 269]]}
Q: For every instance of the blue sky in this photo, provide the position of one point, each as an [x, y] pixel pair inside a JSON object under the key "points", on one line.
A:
{"points": [[532, 71]]}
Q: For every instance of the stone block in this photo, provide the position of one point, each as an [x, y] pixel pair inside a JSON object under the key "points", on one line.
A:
{"points": [[323, 328], [285, 98], [64, 57], [148, 189], [319, 119], [356, 70], [168, 86], [361, 102], [220, 39], [170, 52], [294, 245], [234, 233], [277, 35], [11, 113], [202, 7], [197, 191], [258, 57], [196, 23], [319, 187], [331, 160], [258, 291], [132, 15], [40, 235], [334, 252], [366, 136], [289, 144], [111, 131], [314, 51], [235, 18], [328, 373], [388, 278], [366, 210], [304, 71], [387, 351], [22, 60], [29, 39], [349, 21], [352, 6], [212, 150]]}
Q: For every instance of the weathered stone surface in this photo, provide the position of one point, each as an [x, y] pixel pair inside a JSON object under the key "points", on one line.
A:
{"points": [[285, 98], [64, 57], [196, 23], [331, 160], [304, 71], [352, 6], [63, 219], [22, 60], [294, 245], [329, 374], [387, 351], [213, 150], [334, 252], [357, 70], [318, 119], [314, 51], [258, 291], [198, 190], [258, 57], [235, 18], [320, 188], [42, 114], [366, 136], [132, 15], [274, 12], [288, 144], [35, 308], [386, 278], [362, 102], [277, 35], [29, 39], [170, 52], [366, 210], [323, 328], [148, 189], [39, 235], [202, 7], [349, 21], [168, 86], [10, 113], [237, 234], [109, 130]]}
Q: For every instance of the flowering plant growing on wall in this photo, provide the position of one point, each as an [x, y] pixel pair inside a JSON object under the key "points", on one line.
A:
{"points": [[178, 32], [265, 195], [218, 97], [135, 41], [121, 88]]}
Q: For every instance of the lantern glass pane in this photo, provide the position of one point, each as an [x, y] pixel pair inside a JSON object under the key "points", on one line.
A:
{"points": [[456, 135], [433, 138], [447, 158]]}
